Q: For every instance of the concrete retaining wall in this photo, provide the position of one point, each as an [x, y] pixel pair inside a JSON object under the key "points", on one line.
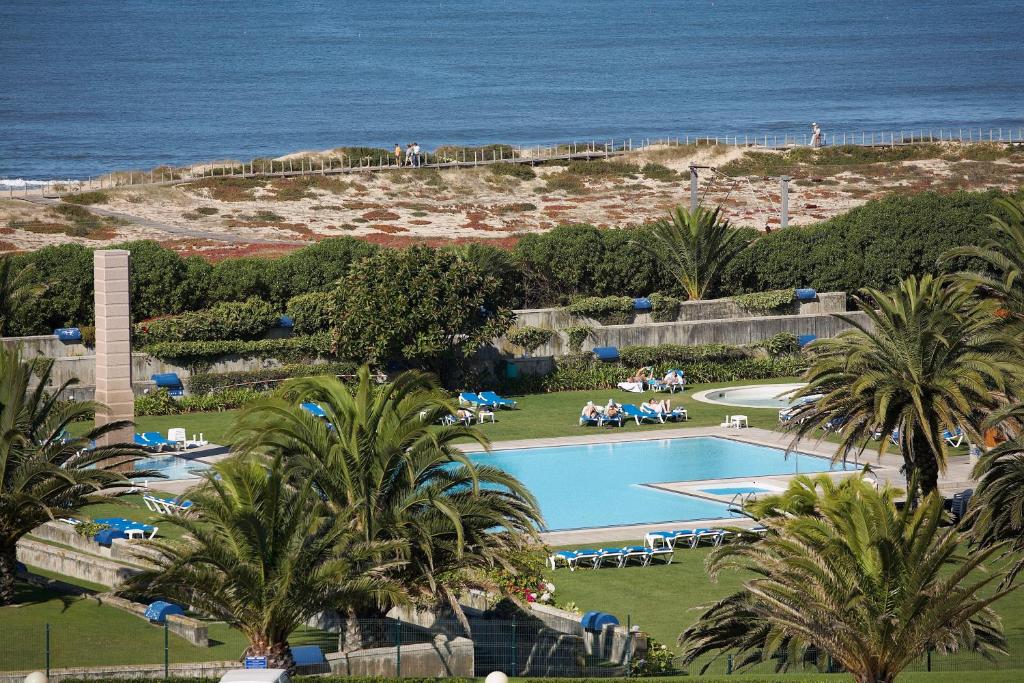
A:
{"points": [[73, 563], [196, 670], [120, 550], [440, 658], [192, 630]]}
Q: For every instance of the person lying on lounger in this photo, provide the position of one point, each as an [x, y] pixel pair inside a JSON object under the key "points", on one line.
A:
{"points": [[637, 382], [660, 407], [590, 411], [612, 409], [674, 377]]}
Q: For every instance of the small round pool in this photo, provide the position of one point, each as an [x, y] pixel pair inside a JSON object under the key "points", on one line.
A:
{"points": [[753, 396]]}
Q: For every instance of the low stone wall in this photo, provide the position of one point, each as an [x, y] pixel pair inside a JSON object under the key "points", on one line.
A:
{"points": [[72, 563], [689, 311], [47, 345], [725, 331], [192, 630], [120, 550], [611, 644], [440, 658], [130, 671]]}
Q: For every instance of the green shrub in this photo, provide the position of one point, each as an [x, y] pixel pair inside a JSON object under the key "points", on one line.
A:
{"points": [[577, 335], [676, 354], [529, 338], [604, 169], [89, 529], [86, 198], [297, 349], [566, 181], [264, 378], [659, 172], [664, 309], [521, 171], [160, 403], [607, 310], [311, 312], [225, 321], [772, 301], [781, 344]]}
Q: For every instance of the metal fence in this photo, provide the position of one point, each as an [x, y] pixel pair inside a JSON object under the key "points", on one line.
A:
{"points": [[518, 647], [534, 154]]}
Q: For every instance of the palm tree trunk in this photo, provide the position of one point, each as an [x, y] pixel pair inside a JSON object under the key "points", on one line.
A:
{"points": [[927, 462], [279, 655], [8, 572]]}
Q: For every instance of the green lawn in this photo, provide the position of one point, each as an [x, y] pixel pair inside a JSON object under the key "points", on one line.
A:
{"points": [[84, 632], [661, 599]]}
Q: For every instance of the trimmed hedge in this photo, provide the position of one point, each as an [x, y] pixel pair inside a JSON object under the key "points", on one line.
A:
{"points": [[529, 338], [311, 312], [250, 319], [642, 356], [664, 309], [295, 349], [205, 382], [774, 300]]}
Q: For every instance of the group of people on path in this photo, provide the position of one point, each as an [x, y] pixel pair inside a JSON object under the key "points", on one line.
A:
{"points": [[412, 155]]}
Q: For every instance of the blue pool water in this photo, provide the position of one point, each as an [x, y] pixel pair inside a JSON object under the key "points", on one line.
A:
{"points": [[602, 484], [732, 491], [173, 467]]}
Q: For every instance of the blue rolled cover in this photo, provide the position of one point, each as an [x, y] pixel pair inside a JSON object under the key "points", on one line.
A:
{"points": [[68, 334], [607, 353], [642, 304], [806, 294]]}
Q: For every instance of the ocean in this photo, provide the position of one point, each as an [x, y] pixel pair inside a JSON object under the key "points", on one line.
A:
{"points": [[89, 87]]}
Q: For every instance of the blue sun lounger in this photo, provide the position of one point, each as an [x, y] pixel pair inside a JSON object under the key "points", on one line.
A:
{"points": [[497, 400], [468, 398], [609, 555], [631, 411]]}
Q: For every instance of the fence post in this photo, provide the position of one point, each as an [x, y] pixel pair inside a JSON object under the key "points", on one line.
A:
{"points": [[629, 644], [784, 201], [47, 650], [728, 665], [167, 651], [929, 666], [398, 647], [515, 650]]}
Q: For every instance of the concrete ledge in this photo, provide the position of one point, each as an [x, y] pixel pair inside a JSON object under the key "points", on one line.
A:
{"points": [[192, 670], [438, 659], [73, 563], [192, 630]]}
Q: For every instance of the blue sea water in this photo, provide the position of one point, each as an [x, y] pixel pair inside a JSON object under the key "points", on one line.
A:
{"points": [[87, 87], [603, 484]]}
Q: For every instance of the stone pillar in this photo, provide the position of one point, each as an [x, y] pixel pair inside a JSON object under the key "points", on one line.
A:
{"points": [[113, 342]]}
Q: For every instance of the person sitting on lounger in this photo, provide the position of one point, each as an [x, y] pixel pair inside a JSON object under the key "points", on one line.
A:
{"points": [[590, 411], [465, 415], [674, 377], [637, 382], [660, 407], [612, 409]]}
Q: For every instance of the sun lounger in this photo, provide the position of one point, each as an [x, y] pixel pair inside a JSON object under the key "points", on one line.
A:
{"points": [[953, 438], [671, 387], [705, 536], [158, 441], [496, 400], [167, 506], [637, 553], [313, 409], [666, 555], [667, 539], [129, 527], [608, 555], [468, 398], [563, 557], [631, 411], [587, 421], [659, 416]]}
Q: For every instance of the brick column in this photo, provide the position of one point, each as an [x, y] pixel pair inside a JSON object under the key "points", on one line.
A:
{"points": [[113, 342]]}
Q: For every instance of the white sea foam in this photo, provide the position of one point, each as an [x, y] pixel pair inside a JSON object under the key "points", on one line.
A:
{"points": [[21, 183]]}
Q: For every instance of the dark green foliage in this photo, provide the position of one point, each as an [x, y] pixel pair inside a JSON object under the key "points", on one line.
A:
{"points": [[781, 344], [311, 312], [772, 301], [161, 403], [162, 282], [296, 349], [604, 169], [497, 263], [660, 172], [875, 245], [241, 278], [421, 306], [205, 382], [676, 354], [225, 321], [66, 300], [582, 260], [316, 268], [607, 310], [529, 338]]}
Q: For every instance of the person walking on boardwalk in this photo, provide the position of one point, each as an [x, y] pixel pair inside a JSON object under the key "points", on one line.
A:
{"points": [[408, 154], [398, 154], [815, 135], [416, 154]]}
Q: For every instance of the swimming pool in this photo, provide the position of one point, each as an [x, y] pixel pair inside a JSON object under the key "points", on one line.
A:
{"points": [[735, 490], [172, 467], [752, 396], [603, 484]]}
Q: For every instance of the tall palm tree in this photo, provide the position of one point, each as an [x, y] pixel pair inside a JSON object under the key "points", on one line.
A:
{"points": [[380, 456], [696, 247], [871, 585], [997, 509], [926, 360], [45, 472], [16, 290], [264, 556], [1004, 256]]}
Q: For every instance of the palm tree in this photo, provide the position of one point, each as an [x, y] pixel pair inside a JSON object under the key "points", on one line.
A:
{"points": [[927, 360], [16, 290], [1004, 255], [997, 509], [381, 457], [264, 556], [869, 584], [696, 247], [45, 472]]}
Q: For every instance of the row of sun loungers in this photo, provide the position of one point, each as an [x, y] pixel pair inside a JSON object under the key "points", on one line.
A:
{"points": [[485, 399], [657, 544], [167, 506], [640, 414]]}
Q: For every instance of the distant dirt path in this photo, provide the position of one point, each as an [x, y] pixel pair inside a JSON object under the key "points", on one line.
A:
{"points": [[171, 229]]}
